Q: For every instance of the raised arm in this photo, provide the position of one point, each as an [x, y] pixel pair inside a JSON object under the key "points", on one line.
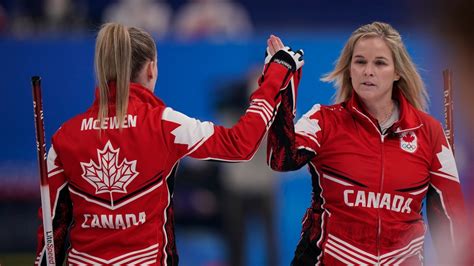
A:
{"points": [[289, 148], [204, 140]]}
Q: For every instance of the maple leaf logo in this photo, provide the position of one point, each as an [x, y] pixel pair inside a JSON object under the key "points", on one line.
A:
{"points": [[408, 142], [447, 162], [190, 131], [109, 176], [308, 124], [408, 138]]}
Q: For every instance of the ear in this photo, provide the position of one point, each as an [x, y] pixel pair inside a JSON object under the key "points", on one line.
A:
{"points": [[149, 69], [397, 77]]}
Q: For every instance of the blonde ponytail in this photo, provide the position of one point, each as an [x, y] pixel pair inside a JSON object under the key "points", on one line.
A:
{"points": [[120, 54], [113, 56]]}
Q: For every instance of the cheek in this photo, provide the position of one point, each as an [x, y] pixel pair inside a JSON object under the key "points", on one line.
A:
{"points": [[356, 72], [355, 75], [355, 85], [389, 77]]}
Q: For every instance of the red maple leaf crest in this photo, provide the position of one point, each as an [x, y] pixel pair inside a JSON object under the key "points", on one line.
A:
{"points": [[109, 176], [408, 137]]}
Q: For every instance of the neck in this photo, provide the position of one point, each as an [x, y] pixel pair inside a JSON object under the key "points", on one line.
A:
{"points": [[380, 110]]}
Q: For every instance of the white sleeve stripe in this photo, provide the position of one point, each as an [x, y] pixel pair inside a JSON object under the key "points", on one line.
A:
{"points": [[338, 258], [264, 108], [308, 136], [419, 191], [403, 256], [263, 103], [269, 106], [352, 247], [398, 252], [53, 169], [264, 111], [260, 113], [128, 258], [135, 259], [445, 176], [348, 254], [352, 253], [147, 259], [440, 193], [337, 180], [53, 173], [73, 262], [256, 108], [78, 259], [150, 262]]}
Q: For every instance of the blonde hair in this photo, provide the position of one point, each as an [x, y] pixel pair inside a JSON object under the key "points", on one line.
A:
{"points": [[410, 82], [120, 54]]}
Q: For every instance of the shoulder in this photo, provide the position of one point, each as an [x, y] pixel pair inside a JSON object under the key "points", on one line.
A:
{"points": [[431, 129], [319, 116], [428, 121], [324, 109], [73, 125]]}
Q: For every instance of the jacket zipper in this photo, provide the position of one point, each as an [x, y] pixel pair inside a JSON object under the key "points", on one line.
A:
{"points": [[379, 219], [379, 229]]}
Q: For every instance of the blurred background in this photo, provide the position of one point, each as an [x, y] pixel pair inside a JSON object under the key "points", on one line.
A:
{"points": [[209, 54]]}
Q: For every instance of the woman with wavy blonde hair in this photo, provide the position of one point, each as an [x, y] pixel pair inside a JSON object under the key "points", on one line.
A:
{"points": [[374, 157], [410, 82]]}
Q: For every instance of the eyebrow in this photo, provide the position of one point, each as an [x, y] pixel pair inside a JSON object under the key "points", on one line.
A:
{"points": [[378, 57]]}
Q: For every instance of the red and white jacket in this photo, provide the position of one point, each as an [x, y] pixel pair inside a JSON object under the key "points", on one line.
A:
{"points": [[112, 189], [368, 188]]}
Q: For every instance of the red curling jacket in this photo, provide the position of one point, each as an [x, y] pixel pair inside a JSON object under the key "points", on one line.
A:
{"points": [[368, 188], [112, 189]]}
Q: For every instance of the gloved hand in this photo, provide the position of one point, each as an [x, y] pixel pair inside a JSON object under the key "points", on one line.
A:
{"points": [[289, 90], [296, 56], [274, 46], [278, 53], [292, 60], [289, 59]]}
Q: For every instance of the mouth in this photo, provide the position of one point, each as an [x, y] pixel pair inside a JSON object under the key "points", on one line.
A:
{"points": [[368, 83]]}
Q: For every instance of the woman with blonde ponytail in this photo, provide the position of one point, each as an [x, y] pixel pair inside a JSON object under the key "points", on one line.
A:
{"points": [[111, 168], [374, 157]]}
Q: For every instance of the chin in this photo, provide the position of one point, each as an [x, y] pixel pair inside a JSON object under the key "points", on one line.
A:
{"points": [[366, 95]]}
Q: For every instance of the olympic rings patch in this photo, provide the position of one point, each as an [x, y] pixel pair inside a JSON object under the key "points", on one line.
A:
{"points": [[408, 141]]}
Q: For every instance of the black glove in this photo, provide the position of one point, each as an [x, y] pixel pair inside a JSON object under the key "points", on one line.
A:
{"points": [[293, 61], [287, 58]]}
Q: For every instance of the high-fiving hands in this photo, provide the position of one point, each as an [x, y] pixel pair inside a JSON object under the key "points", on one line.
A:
{"points": [[274, 44], [279, 53]]}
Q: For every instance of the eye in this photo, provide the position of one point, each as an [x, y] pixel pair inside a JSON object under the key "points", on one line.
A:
{"points": [[360, 61], [380, 63]]}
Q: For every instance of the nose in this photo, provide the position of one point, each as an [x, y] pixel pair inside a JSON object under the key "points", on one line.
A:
{"points": [[369, 70]]}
